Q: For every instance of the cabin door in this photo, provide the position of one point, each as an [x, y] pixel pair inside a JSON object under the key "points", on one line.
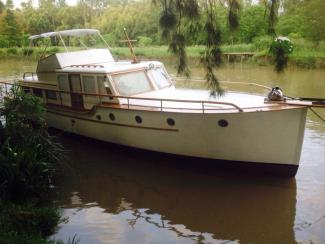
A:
{"points": [[75, 86]]}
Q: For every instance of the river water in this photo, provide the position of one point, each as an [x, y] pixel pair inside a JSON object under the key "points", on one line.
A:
{"points": [[114, 195]]}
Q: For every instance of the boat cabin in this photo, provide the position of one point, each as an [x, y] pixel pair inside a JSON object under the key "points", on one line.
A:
{"points": [[85, 78]]}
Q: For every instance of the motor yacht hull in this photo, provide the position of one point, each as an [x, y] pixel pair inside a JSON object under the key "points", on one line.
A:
{"points": [[262, 137]]}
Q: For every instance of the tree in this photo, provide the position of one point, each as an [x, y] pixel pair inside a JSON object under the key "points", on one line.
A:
{"points": [[252, 24], [314, 20], [9, 4], [2, 7], [11, 29]]}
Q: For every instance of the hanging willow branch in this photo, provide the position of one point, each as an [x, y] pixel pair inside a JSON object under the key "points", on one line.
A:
{"points": [[233, 13], [280, 48], [211, 57], [175, 13], [273, 9]]}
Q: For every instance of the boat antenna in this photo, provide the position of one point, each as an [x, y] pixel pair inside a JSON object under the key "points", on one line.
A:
{"points": [[134, 58]]}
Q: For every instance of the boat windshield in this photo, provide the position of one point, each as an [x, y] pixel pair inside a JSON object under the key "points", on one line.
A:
{"points": [[132, 83], [160, 77]]}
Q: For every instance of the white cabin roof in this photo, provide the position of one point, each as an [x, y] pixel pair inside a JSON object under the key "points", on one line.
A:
{"points": [[68, 59]]}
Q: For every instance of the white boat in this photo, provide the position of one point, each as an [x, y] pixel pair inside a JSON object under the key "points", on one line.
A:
{"points": [[88, 93]]}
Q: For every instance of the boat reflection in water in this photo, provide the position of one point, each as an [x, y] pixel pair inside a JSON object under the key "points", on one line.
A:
{"points": [[118, 195]]}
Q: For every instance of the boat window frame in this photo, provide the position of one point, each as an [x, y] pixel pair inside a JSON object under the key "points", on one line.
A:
{"points": [[95, 83], [143, 69], [153, 80]]}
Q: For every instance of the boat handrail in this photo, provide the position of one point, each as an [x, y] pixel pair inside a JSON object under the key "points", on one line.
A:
{"points": [[128, 98]]}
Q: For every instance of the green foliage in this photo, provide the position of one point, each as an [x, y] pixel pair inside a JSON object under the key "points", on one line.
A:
{"points": [[280, 50], [314, 20], [144, 41], [27, 51], [29, 156], [4, 42], [2, 7], [252, 24], [10, 28], [12, 51], [27, 223], [53, 50], [262, 42]]}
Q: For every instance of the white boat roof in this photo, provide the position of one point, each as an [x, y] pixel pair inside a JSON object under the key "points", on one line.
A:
{"points": [[74, 32], [75, 58], [89, 61]]}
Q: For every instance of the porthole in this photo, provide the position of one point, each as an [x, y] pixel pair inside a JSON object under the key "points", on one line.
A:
{"points": [[111, 116], [138, 119], [170, 122], [223, 123], [98, 117]]}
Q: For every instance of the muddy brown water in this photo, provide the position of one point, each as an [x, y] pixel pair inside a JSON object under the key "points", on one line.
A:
{"points": [[113, 195]]}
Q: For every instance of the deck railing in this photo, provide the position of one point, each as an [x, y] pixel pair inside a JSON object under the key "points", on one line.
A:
{"points": [[204, 105]]}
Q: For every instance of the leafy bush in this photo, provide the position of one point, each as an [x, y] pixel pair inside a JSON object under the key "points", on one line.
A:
{"points": [[4, 42], [280, 49], [294, 35], [29, 219], [53, 50], [27, 51], [12, 51], [27, 223], [144, 41], [262, 42], [29, 156], [111, 39]]}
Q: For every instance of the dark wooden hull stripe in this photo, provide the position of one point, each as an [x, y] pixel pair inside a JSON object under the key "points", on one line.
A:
{"points": [[116, 124]]}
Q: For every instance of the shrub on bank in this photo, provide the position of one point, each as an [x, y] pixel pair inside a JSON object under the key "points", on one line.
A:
{"points": [[12, 51], [29, 159], [29, 156], [28, 222]]}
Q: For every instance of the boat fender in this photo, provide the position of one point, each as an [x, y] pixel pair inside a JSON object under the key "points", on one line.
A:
{"points": [[275, 94]]}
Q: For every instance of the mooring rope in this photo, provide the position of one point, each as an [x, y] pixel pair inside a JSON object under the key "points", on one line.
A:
{"points": [[317, 114], [222, 81]]}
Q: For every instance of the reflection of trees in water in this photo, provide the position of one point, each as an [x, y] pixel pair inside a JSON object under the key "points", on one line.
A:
{"points": [[163, 224], [229, 207]]}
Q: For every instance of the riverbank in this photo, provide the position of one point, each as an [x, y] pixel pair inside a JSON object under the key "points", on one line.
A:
{"points": [[303, 56]]}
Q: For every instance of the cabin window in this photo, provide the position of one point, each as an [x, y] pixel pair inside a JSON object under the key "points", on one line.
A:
{"points": [[38, 92], [89, 84], [132, 83], [101, 87], [160, 77], [63, 83], [50, 95]]}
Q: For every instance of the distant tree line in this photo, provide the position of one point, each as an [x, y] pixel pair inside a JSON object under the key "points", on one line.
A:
{"points": [[296, 18]]}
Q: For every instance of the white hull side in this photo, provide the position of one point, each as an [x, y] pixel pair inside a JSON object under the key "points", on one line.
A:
{"points": [[263, 137]]}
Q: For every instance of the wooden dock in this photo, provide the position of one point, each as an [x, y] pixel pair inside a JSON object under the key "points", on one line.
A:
{"points": [[234, 56]]}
